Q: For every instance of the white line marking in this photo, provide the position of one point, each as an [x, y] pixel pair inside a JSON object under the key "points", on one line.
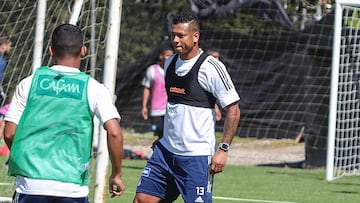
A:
{"points": [[236, 199], [248, 200], [5, 199], [6, 183]]}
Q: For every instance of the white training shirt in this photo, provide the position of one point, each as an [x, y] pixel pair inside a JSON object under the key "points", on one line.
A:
{"points": [[190, 130], [101, 104]]}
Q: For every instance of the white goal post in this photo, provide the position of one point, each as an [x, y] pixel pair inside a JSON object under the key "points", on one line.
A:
{"points": [[343, 151]]}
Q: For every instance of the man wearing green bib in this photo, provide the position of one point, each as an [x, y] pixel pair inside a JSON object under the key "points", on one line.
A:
{"points": [[49, 127]]}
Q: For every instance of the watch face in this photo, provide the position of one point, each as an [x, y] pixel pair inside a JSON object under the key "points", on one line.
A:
{"points": [[224, 146]]}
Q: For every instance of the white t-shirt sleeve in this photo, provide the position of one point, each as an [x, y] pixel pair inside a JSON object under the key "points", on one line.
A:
{"points": [[149, 75], [101, 102], [18, 101], [214, 78]]}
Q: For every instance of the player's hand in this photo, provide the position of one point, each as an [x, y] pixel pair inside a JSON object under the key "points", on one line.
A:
{"points": [[116, 186], [218, 162], [144, 113]]}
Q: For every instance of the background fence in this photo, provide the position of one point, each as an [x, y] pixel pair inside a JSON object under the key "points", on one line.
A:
{"points": [[279, 56], [277, 52]]}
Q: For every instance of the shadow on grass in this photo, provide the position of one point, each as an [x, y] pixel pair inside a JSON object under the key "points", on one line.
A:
{"points": [[298, 164]]}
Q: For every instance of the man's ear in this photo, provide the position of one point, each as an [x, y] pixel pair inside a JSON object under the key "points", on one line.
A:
{"points": [[196, 37], [83, 51], [51, 51]]}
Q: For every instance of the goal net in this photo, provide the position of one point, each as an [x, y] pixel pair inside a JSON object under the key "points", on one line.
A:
{"points": [[29, 24], [343, 153]]}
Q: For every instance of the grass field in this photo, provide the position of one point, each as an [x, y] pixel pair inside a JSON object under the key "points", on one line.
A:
{"points": [[248, 184]]}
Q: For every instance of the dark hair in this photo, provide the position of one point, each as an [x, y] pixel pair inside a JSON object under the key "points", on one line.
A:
{"points": [[67, 39], [165, 46], [187, 17]]}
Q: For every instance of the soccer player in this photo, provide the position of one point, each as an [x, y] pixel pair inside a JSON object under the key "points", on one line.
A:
{"points": [[5, 47], [186, 158], [154, 91], [49, 127]]}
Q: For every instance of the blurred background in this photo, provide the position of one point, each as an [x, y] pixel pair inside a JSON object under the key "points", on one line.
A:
{"points": [[278, 53]]}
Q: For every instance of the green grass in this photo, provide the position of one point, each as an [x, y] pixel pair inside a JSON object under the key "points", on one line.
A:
{"points": [[248, 184]]}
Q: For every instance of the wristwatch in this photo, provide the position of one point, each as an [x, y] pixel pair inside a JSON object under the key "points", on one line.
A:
{"points": [[224, 146]]}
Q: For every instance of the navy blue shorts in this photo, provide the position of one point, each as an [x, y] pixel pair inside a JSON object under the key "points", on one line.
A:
{"points": [[24, 198], [167, 175]]}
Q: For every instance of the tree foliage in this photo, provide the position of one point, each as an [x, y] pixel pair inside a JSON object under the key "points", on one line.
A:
{"points": [[144, 26]]}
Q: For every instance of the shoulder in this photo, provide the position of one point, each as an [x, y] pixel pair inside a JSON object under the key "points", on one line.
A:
{"points": [[96, 85], [26, 82], [211, 61], [98, 92], [211, 65], [168, 61], [155, 65], [150, 68]]}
